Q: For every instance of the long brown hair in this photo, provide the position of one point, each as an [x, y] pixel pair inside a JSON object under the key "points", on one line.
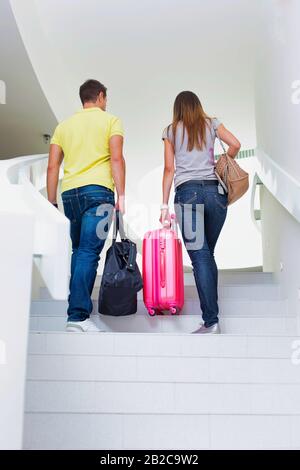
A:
{"points": [[188, 110]]}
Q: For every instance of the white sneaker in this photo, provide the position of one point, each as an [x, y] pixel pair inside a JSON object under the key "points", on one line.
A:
{"points": [[211, 330], [82, 326]]}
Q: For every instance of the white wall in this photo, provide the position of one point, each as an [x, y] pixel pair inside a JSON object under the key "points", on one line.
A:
{"points": [[281, 252], [278, 71], [278, 124], [146, 52]]}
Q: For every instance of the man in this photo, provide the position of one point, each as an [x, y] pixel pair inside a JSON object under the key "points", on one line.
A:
{"points": [[91, 145]]}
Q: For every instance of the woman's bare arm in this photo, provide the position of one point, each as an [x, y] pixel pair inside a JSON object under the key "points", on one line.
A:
{"points": [[169, 170], [229, 139]]}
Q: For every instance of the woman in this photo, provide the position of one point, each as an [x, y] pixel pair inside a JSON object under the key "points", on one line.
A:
{"points": [[200, 201]]}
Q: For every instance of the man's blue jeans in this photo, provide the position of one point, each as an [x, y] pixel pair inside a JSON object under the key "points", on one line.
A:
{"points": [[196, 201], [89, 209]]}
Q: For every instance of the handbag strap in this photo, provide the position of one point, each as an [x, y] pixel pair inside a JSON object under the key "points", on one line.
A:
{"points": [[218, 137], [130, 266], [118, 227]]}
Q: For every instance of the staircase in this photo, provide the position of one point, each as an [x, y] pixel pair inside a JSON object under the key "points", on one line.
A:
{"points": [[146, 383]]}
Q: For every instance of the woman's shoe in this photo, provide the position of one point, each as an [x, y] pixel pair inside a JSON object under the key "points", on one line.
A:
{"points": [[211, 330]]}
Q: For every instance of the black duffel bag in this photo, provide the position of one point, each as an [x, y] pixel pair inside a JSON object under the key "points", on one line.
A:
{"points": [[121, 279]]}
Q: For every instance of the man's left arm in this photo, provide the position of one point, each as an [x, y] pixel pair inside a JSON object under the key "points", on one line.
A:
{"points": [[55, 159]]}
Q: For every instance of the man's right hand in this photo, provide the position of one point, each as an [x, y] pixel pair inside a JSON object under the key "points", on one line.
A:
{"points": [[118, 169], [120, 204]]}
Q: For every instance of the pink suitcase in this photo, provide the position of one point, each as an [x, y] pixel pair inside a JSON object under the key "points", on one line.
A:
{"points": [[163, 271]]}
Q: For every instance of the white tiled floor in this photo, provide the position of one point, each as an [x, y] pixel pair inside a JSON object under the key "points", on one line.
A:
{"points": [[223, 346], [251, 432], [166, 432], [182, 324], [73, 431], [231, 306], [115, 431]]}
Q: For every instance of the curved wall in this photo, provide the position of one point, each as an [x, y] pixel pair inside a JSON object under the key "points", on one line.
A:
{"points": [[278, 124], [278, 84], [25, 114]]}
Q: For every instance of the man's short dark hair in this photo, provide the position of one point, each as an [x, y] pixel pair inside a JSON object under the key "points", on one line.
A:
{"points": [[90, 90]]}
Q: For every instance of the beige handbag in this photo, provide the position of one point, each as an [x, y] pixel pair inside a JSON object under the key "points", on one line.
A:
{"points": [[231, 176]]}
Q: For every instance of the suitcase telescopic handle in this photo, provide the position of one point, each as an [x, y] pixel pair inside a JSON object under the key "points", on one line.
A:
{"points": [[174, 224], [162, 243]]}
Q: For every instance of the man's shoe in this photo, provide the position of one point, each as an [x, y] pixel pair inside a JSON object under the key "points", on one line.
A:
{"points": [[211, 330], [85, 326]]}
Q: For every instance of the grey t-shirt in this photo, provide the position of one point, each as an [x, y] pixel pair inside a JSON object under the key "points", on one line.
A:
{"points": [[197, 164]]}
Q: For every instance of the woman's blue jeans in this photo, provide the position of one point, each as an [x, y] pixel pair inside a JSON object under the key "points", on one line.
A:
{"points": [[89, 209], [201, 212]]}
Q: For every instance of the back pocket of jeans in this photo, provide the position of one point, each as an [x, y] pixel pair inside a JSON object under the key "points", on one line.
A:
{"points": [[68, 210], [221, 200], [92, 201], [187, 197]]}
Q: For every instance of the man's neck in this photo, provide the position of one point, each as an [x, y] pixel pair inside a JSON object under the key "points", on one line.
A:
{"points": [[91, 105]]}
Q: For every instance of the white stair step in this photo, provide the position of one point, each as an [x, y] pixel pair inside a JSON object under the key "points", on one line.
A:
{"points": [[73, 431], [255, 432], [250, 291], [162, 369], [243, 277], [162, 345], [226, 278], [114, 431], [240, 291], [230, 307], [175, 324], [162, 398], [230, 276]]}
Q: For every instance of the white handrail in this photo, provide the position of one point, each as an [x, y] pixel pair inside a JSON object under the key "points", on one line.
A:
{"points": [[26, 176], [30, 226], [252, 201]]}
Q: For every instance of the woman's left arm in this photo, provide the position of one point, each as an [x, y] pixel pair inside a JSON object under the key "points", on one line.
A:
{"points": [[168, 177]]}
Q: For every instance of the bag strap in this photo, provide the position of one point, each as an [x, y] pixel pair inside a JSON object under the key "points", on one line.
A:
{"points": [[218, 137], [130, 266], [118, 227]]}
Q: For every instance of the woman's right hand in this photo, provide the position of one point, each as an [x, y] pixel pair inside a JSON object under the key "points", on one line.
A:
{"points": [[165, 218]]}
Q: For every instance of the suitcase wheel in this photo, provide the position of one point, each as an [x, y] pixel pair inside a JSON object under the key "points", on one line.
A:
{"points": [[173, 310], [151, 312]]}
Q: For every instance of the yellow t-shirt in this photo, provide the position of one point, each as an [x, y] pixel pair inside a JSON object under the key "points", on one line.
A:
{"points": [[84, 139]]}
